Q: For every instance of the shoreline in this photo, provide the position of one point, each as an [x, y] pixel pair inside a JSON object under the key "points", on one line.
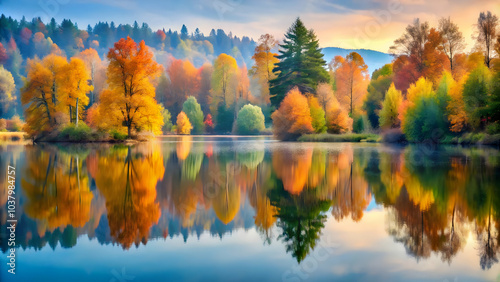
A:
{"points": [[467, 139]]}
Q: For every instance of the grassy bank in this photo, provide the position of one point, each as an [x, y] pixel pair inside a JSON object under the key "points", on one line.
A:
{"points": [[84, 134], [472, 139], [465, 139], [326, 137]]}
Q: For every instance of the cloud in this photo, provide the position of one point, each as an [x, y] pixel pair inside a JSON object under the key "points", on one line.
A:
{"points": [[372, 24]]}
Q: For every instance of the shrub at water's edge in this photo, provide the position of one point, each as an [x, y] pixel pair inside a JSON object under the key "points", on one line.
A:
{"points": [[293, 118], [350, 137], [82, 133], [250, 120]]}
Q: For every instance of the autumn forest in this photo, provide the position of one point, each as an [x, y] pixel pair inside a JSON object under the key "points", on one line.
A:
{"points": [[112, 82]]}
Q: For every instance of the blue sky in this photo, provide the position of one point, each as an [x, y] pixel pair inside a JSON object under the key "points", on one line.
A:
{"points": [[371, 24]]}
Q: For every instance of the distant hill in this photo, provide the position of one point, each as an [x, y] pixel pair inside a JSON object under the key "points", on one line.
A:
{"points": [[374, 59]]}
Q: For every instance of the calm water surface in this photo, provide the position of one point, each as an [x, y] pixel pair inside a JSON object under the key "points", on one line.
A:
{"points": [[250, 209]]}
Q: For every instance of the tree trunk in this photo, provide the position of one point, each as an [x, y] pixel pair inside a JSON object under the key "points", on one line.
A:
{"points": [[352, 85], [70, 114], [128, 129], [76, 112]]}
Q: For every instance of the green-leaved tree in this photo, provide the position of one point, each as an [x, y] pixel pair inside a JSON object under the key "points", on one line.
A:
{"points": [[194, 113]]}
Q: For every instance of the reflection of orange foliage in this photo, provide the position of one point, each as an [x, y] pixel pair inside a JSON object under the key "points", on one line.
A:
{"points": [[226, 202], [292, 167], [361, 195], [185, 201], [127, 179], [265, 213], [209, 151], [351, 193], [184, 147], [345, 158], [57, 190]]}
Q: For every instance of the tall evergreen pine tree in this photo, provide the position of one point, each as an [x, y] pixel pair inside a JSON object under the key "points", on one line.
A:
{"points": [[301, 63]]}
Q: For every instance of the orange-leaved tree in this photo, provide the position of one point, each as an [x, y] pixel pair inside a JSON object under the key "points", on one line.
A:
{"points": [[337, 118], [130, 97], [183, 124], [265, 61], [457, 115], [184, 81], [351, 78], [293, 117]]}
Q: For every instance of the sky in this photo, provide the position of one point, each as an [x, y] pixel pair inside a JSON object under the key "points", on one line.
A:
{"points": [[354, 24]]}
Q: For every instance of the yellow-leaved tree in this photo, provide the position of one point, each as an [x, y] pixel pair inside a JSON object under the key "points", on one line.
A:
{"points": [[39, 95], [389, 113], [75, 85], [183, 124], [224, 81], [7, 90], [421, 89], [129, 101]]}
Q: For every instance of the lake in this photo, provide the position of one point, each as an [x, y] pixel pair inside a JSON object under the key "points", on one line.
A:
{"points": [[252, 209]]}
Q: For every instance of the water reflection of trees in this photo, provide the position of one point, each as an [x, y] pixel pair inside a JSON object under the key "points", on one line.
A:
{"points": [[127, 179], [57, 189], [127, 195], [442, 196], [300, 218]]}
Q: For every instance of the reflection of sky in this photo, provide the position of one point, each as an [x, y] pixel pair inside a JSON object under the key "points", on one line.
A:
{"points": [[373, 205], [359, 251]]}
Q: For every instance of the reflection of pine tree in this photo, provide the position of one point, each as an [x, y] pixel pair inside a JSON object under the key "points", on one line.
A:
{"points": [[300, 217], [68, 238]]}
